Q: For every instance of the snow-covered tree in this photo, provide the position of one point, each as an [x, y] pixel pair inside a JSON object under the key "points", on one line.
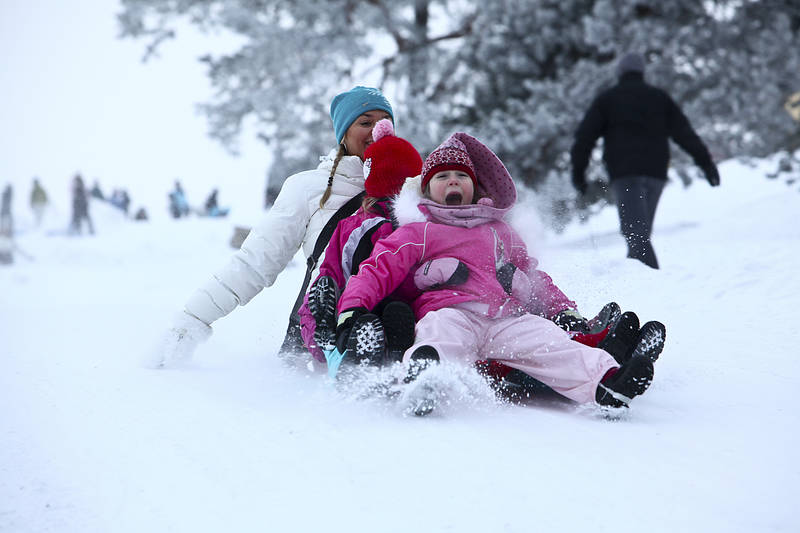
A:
{"points": [[517, 73], [535, 67], [295, 56]]}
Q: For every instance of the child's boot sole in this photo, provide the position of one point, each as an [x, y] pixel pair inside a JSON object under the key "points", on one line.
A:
{"points": [[650, 342], [367, 341]]}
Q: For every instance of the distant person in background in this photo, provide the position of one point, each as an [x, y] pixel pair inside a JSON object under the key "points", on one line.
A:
{"points": [[636, 121], [96, 192], [141, 214], [38, 201], [212, 208], [211, 205], [120, 200], [124, 200], [80, 207], [113, 198], [178, 206], [6, 220], [6, 228]]}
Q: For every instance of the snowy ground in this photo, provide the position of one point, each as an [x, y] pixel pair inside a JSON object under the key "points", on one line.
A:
{"points": [[90, 441]]}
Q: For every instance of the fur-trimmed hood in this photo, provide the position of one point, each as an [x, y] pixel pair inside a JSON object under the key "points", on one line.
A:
{"points": [[405, 205]]}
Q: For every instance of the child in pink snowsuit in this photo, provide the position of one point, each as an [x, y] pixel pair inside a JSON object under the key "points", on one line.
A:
{"points": [[481, 296]]}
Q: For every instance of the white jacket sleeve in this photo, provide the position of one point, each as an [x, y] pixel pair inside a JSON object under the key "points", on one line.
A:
{"points": [[263, 255]]}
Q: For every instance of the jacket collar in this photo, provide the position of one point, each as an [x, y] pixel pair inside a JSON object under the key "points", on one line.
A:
{"points": [[350, 166], [631, 76]]}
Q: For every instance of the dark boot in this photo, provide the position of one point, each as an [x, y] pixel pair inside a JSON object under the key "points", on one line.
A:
{"points": [[607, 316], [422, 358], [322, 300], [650, 341], [518, 387], [398, 326], [621, 337], [629, 381], [367, 341]]}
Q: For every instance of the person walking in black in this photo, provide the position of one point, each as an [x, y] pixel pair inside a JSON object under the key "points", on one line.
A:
{"points": [[636, 121]]}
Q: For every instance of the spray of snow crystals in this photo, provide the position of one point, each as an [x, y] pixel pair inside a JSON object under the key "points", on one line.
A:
{"points": [[451, 388]]}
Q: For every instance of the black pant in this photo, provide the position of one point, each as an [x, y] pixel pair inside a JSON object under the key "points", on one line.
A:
{"points": [[637, 199]]}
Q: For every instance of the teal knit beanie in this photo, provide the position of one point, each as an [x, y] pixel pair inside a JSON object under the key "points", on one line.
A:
{"points": [[348, 106]]}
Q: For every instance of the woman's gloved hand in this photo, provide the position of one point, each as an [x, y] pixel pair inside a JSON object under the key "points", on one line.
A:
{"points": [[180, 341]]}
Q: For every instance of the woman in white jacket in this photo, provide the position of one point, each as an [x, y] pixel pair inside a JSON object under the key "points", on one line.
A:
{"points": [[305, 203]]}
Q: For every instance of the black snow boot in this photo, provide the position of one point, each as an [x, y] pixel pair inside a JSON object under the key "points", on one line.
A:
{"points": [[518, 387], [322, 300], [367, 341], [621, 337], [398, 326], [607, 316], [424, 397], [650, 341], [630, 380], [422, 358]]}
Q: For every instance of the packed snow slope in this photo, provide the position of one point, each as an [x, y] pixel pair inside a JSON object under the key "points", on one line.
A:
{"points": [[93, 441]]}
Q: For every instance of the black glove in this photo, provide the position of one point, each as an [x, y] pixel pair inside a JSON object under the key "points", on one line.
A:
{"points": [[345, 323], [712, 174], [571, 320]]}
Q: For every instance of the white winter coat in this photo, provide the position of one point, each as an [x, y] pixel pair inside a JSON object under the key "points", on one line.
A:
{"points": [[295, 219]]}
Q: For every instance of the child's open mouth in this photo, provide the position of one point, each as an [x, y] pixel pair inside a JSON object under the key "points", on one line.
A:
{"points": [[454, 198]]}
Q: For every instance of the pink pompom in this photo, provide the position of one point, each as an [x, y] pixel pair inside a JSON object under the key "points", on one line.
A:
{"points": [[382, 129]]}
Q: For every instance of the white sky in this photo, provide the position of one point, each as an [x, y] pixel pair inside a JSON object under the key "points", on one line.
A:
{"points": [[73, 97]]}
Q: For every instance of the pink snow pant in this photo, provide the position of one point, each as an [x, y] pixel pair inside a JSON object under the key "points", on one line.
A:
{"points": [[528, 343]]}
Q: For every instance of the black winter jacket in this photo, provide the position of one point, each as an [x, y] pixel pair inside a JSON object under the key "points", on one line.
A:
{"points": [[636, 121]]}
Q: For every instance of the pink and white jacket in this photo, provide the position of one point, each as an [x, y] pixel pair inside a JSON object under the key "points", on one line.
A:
{"points": [[465, 256]]}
